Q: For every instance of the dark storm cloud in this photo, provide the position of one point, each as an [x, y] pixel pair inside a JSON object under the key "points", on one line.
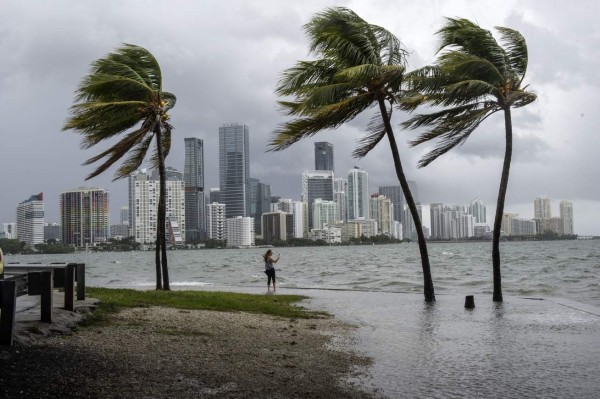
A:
{"points": [[223, 59]]}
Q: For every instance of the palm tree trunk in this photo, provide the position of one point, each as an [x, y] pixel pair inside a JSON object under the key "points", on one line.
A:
{"points": [[427, 280], [159, 235], [497, 295], [162, 208]]}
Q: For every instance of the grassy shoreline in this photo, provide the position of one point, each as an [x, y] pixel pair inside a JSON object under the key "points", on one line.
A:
{"points": [[112, 300]]}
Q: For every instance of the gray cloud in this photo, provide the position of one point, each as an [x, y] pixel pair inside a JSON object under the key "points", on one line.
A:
{"points": [[223, 59]]}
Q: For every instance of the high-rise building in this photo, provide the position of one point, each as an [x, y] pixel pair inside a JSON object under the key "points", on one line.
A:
{"points": [[144, 192], [52, 232], [215, 221], [277, 225], [477, 209], [193, 176], [340, 196], [566, 216], [30, 220], [316, 184], [9, 230], [296, 209], [358, 194], [260, 202], [394, 193], [542, 207], [214, 195], [124, 215], [324, 156], [324, 213], [240, 231], [84, 216], [409, 228], [381, 210], [234, 169]]}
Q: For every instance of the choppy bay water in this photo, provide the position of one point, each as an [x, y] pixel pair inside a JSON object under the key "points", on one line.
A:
{"points": [[566, 269], [518, 349]]}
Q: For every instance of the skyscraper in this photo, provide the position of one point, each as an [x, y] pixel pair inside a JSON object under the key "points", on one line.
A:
{"points": [[381, 210], [215, 221], [340, 196], [358, 194], [542, 207], [193, 176], [316, 184], [566, 216], [234, 169], [324, 156], [84, 216], [477, 209], [144, 193], [394, 193], [30, 220]]}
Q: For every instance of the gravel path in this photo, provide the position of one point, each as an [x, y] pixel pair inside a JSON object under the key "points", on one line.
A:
{"points": [[169, 353]]}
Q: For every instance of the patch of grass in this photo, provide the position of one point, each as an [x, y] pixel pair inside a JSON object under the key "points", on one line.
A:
{"points": [[111, 300]]}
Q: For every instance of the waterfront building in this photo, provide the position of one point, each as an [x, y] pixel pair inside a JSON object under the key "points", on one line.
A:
{"points": [[450, 222], [329, 234], [324, 213], [240, 231], [215, 221], [340, 196], [296, 208], [316, 184], [397, 232], [124, 215], [119, 231], [542, 207], [357, 228], [144, 192], [234, 169], [358, 194], [523, 227], [507, 221], [409, 228], [551, 225], [481, 230], [478, 210], [260, 202], [30, 220], [52, 231], [566, 216], [324, 156], [9, 230], [277, 226], [193, 176], [381, 210], [84, 216], [395, 195]]}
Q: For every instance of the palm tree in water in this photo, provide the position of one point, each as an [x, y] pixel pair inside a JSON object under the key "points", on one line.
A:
{"points": [[358, 66], [473, 78], [122, 97]]}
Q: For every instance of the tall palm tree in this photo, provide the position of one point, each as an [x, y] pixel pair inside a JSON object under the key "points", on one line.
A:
{"points": [[122, 96], [357, 66], [473, 78]]}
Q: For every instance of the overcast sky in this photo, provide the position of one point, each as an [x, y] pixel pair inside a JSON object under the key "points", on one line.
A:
{"points": [[222, 60]]}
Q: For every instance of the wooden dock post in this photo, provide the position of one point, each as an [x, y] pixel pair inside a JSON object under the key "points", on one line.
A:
{"points": [[8, 298], [69, 285], [80, 277]]}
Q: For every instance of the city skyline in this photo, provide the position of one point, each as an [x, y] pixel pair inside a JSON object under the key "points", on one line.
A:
{"points": [[554, 148]]}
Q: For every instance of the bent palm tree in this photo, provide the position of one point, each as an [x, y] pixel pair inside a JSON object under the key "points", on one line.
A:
{"points": [[123, 94], [358, 66], [473, 78]]}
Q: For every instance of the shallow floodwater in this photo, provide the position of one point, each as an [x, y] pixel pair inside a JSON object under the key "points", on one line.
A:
{"points": [[522, 348]]}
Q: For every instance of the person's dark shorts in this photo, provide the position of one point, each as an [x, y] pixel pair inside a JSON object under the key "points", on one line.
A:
{"points": [[270, 272]]}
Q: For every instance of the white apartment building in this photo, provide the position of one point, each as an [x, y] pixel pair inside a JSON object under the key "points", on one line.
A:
{"points": [[144, 192], [542, 207], [358, 194], [324, 213], [215, 221], [30, 220], [9, 230], [329, 234], [566, 215], [297, 209], [381, 210], [240, 231]]}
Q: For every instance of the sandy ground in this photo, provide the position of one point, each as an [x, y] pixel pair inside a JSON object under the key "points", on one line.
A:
{"points": [[168, 353]]}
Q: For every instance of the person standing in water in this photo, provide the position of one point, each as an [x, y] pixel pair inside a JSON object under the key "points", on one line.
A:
{"points": [[270, 268]]}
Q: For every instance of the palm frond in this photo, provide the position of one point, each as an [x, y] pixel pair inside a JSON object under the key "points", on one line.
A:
{"points": [[516, 51], [463, 35], [375, 133], [141, 61], [169, 99], [136, 156]]}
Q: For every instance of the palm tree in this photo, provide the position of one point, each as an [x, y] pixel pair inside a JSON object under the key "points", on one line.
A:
{"points": [[358, 66], [122, 96], [473, 78]]}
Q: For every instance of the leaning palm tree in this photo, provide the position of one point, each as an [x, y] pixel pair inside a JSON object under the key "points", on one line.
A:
{"points": [[122, 96], [357, 66], [473, 78]]}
